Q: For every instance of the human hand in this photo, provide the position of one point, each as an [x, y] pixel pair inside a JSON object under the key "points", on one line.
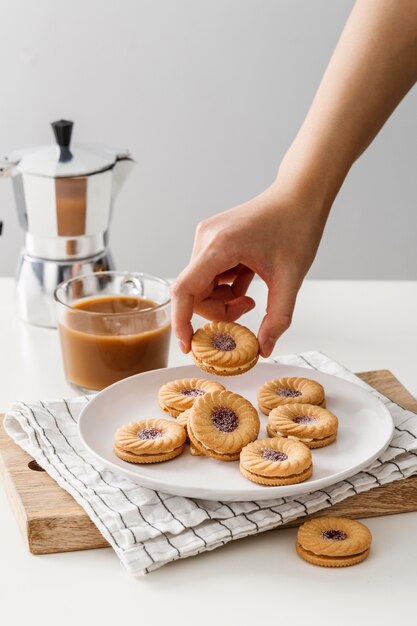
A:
{"points": [[276, 236]]}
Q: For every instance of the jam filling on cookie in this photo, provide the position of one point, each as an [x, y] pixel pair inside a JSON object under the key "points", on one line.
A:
{"points": [[149, 433], [304, 419], [224, 419], [288, 393], [273, 455], [224, 342], [192, 391], [334, 535]]}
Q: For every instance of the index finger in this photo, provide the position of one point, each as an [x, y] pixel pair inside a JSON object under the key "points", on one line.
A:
{"points": [[196, 278]]}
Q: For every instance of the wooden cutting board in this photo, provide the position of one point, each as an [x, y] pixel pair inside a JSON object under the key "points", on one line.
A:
{"points": [[51, 521]]}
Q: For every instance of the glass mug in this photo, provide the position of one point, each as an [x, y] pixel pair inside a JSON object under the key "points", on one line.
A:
{"points": [[112, 325]]}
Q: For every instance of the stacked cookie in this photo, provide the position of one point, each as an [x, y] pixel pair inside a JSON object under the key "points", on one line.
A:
{"points": [[224, 425], [297, 422], [295, 409], [219, 423]]}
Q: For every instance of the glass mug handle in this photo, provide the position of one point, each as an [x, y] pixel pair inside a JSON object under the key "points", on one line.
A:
{"points": [[132, 286]]}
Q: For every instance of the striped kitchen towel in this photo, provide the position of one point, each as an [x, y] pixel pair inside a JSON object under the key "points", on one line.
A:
{"points": [[148, 529]]}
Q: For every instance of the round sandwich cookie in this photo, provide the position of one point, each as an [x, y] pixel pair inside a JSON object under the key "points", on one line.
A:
{"points": [[221, 423], [276, 461], [149, 441], [289, 391], [314, 426], [224, 348], [179, 395], [333, 541]]}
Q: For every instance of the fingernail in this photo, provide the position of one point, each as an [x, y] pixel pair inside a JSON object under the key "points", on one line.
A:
{"points": [[268, 346], [183, 347]]}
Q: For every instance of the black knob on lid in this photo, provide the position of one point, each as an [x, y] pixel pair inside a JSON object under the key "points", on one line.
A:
{"points": [[62, 131]]}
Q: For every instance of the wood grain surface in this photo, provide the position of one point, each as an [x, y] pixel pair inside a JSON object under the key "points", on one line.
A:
{"points": [[51, 521]]}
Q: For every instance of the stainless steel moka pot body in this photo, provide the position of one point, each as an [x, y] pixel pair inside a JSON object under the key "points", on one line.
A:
{"points": [[64, 196]]}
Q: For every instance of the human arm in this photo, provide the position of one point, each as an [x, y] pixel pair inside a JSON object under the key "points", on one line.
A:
{"points": [[276, 234]]}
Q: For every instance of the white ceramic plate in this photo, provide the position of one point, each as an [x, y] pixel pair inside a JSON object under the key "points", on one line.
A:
{"points": [[365, 429]]}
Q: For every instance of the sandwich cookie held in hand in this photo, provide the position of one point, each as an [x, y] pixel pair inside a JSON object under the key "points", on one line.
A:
{"points": [[221, 423], [314, 426], [149, 441], [276, 462], [179, 395], [224, 348], [281, 391], [333, 541]]}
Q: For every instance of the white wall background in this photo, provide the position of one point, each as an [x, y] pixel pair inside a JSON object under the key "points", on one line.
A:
{"points": [[208, 95]]}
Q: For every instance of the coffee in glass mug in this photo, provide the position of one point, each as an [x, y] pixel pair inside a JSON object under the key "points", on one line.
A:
{"points": [[112, 325]]}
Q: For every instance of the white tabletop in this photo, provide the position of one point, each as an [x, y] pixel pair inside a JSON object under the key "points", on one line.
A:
{"points": [[364, 325]]}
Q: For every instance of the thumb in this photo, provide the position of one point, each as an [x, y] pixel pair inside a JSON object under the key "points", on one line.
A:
{"points": [[279, 310]]}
